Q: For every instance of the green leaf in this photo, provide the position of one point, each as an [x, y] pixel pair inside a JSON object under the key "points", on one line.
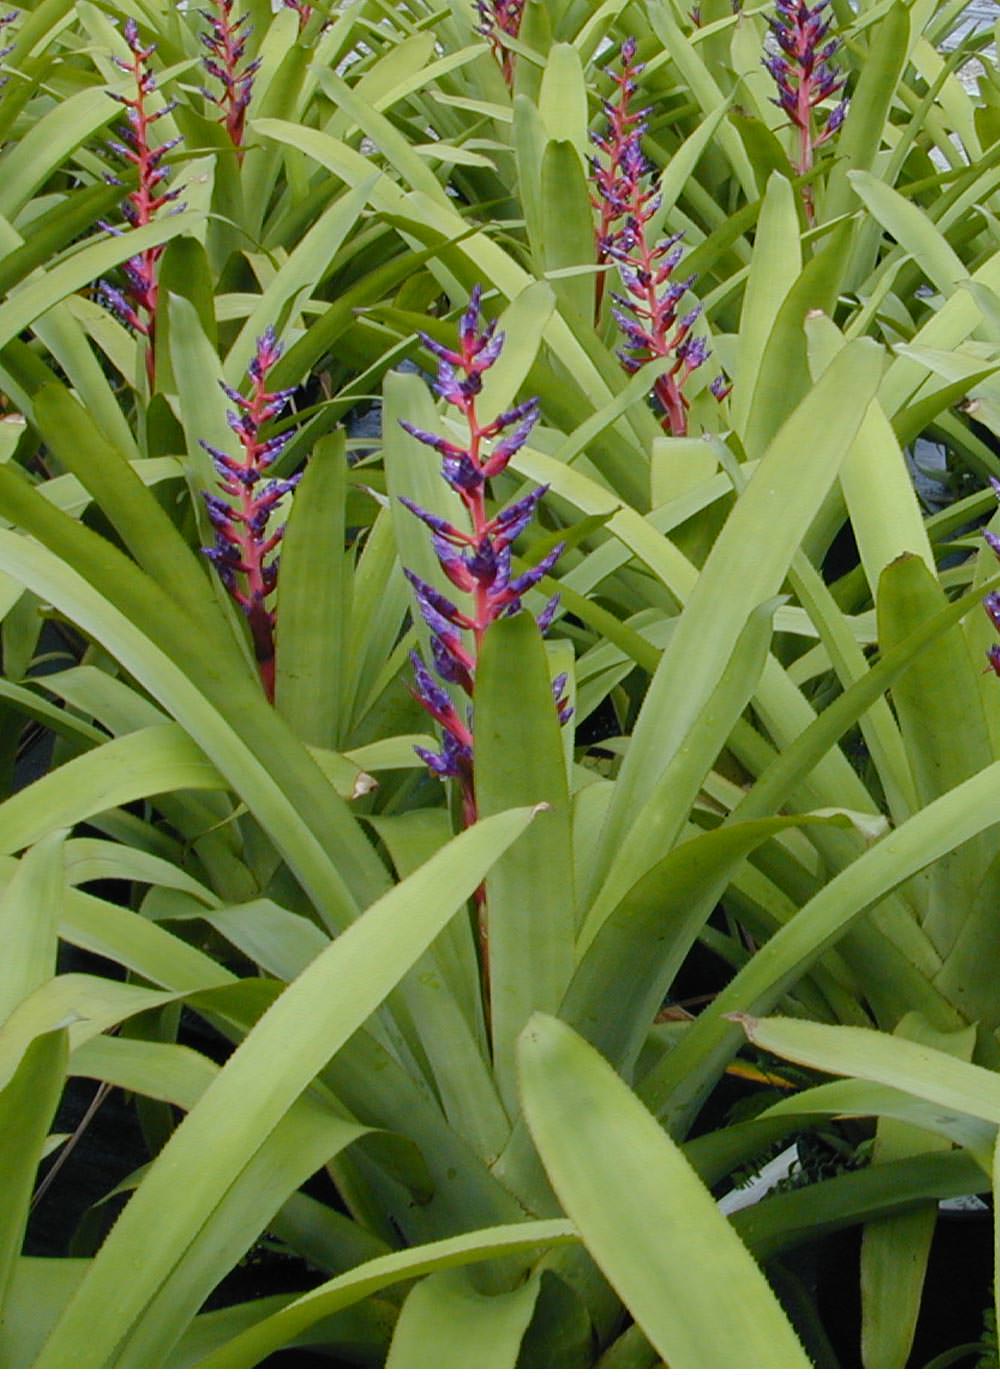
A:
{"points": [[562, 99], [46, 144], [39, 1290], [652, 1227], [445, 1323], [629, 966], [861, 135], [894, 1252], [129, 505], [81, 268], [523, 324], [272, 1067], [27, 1106], [159, 759], [915, 1068], [567, 229], [944, 728], [313, 600], [777, 263], [697, 78], [529, 907], [788, 1221], [259, 1341], [912, 229], [30, 908], [297, 277], [87, 1005], [783, 378], [214, 703], [678, 1084], [657, 824], [797, 470]]}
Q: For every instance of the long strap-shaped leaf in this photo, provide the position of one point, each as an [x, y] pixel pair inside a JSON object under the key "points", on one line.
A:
{"points": [[287, 1048], [219, 705], [27, 1106], [259, 1341], [676, 1086], [747, 565], [159, 759], [644, 1214]]}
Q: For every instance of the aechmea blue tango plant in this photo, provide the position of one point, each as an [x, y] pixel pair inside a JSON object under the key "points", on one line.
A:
{"points": [[476, 557]]}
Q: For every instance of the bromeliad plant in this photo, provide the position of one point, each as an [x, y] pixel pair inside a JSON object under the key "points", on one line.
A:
{"points": [[258, 920]]}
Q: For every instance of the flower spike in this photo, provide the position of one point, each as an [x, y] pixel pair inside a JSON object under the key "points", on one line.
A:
{"points": [[626, 199], [244, 552], [805, 76], [226, 42], [477, 560], [136, 303], [498, 18]]}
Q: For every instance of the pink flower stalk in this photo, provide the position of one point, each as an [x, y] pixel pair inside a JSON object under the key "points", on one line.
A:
{"points": [[303, 10], [475, 558], [244, 538], [138, 302], [497, 18], [626, 201], [805, 76], [226, 44]]}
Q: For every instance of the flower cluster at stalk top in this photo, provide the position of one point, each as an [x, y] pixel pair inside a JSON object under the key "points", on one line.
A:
{"points": [[498, 18], [804, 73], [137, 303], [245, 540], [626, 200], [226, 43], [476, 556]]}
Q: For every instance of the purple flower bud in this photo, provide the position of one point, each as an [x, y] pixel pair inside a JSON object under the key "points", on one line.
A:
{"points": [[441, 605], [437, 523], [435, 700], [547, 615], [439, 444], [448, 666], [461, 474], [531, 576]]}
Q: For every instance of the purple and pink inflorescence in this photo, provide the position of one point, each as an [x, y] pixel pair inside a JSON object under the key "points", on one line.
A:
{"points": [[137, 302], [226, 43], [626, 201], [499, 19], [241, 518], [805, 76], [475, 558]]}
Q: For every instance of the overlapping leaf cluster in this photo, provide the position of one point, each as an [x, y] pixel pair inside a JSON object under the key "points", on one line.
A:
{"points": [[695, 319]]}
